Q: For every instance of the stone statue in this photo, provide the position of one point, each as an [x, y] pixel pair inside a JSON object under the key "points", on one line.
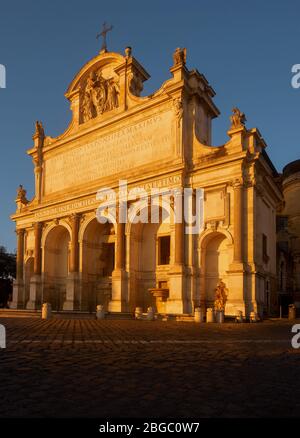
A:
{"points": [[115, 91], [112, 98], [221, 294], [238, 119], [21, 195], [135, 84], [179, 56], [100, 94], [178, 108], [91, 90], [38, 138], [87, 112], [39, 130]]}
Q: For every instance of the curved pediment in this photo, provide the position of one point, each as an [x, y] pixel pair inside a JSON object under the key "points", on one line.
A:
{"points": [[99, 87], [96, 88], [104, 62]]}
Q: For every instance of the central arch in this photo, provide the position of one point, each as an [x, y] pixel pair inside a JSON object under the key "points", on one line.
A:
{"points": [[98, 263], [150, 257]]}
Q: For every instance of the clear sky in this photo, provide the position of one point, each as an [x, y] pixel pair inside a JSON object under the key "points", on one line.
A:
{"points": [[245, 49]]}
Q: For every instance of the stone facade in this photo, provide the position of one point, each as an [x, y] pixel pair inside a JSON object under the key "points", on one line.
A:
{"points": [[288, 237], [66, 257]]}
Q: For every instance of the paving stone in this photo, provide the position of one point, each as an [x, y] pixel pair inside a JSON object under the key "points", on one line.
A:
{"points": [[87, 368]]}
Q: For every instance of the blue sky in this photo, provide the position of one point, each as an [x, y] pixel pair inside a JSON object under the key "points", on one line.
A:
{"points": [[245, 49]]}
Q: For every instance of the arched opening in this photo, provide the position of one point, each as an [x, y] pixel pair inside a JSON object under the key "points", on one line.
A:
{"points": [[216, 264], [56, 263], [29, 272], [150, 258], [98, 263]]}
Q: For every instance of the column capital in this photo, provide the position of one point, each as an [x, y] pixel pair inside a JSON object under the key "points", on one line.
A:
{"points": [[237, 183], [38, 225], [20, 232], [74, 217]]}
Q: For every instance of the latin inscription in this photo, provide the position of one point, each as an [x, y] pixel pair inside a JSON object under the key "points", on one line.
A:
{"points": [[87, 204], [145, 142]]}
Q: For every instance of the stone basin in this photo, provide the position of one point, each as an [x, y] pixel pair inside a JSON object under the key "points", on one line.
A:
{"points": [[161, 295]]}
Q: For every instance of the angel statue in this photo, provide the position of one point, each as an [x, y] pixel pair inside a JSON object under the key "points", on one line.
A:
{"points": [[238, 119]]}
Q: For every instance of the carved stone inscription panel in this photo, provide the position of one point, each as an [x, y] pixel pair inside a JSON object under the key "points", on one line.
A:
{"points": [[139, 144]]}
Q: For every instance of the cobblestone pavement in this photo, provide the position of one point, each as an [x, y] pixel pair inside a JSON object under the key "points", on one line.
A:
{"points": [[89, 368]]}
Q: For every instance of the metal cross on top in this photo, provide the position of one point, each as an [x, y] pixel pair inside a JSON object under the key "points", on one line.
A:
{"points": [[105, 30]]}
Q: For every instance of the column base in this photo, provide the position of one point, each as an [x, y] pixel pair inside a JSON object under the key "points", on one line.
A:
{"points": [[18, 295], [256, 307], [118, 303], [72, 292], [236, 292], [175, 307], [177, 302], [35, 296], [237, 267], [233, 306]]}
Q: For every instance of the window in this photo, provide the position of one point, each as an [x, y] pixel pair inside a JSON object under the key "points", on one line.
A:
{"points": [[282, 223], [164, 244], [265, 248]]}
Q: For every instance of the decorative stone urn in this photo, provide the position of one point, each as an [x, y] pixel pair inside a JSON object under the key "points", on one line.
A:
{"points": [[161, 295], [100, 312], [46, 311], [138, 313]]}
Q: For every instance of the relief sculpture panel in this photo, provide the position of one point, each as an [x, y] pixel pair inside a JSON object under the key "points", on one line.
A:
{"points": [[98, 95]]}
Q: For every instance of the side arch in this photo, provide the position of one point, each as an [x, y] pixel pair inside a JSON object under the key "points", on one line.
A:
{"points": [[216, 255], [56, 257], [51, 226]]}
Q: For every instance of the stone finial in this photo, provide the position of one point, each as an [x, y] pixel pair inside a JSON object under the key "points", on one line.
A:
{"points": [[103, 33], [179, 57], [238, 119], [128, 52]]}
